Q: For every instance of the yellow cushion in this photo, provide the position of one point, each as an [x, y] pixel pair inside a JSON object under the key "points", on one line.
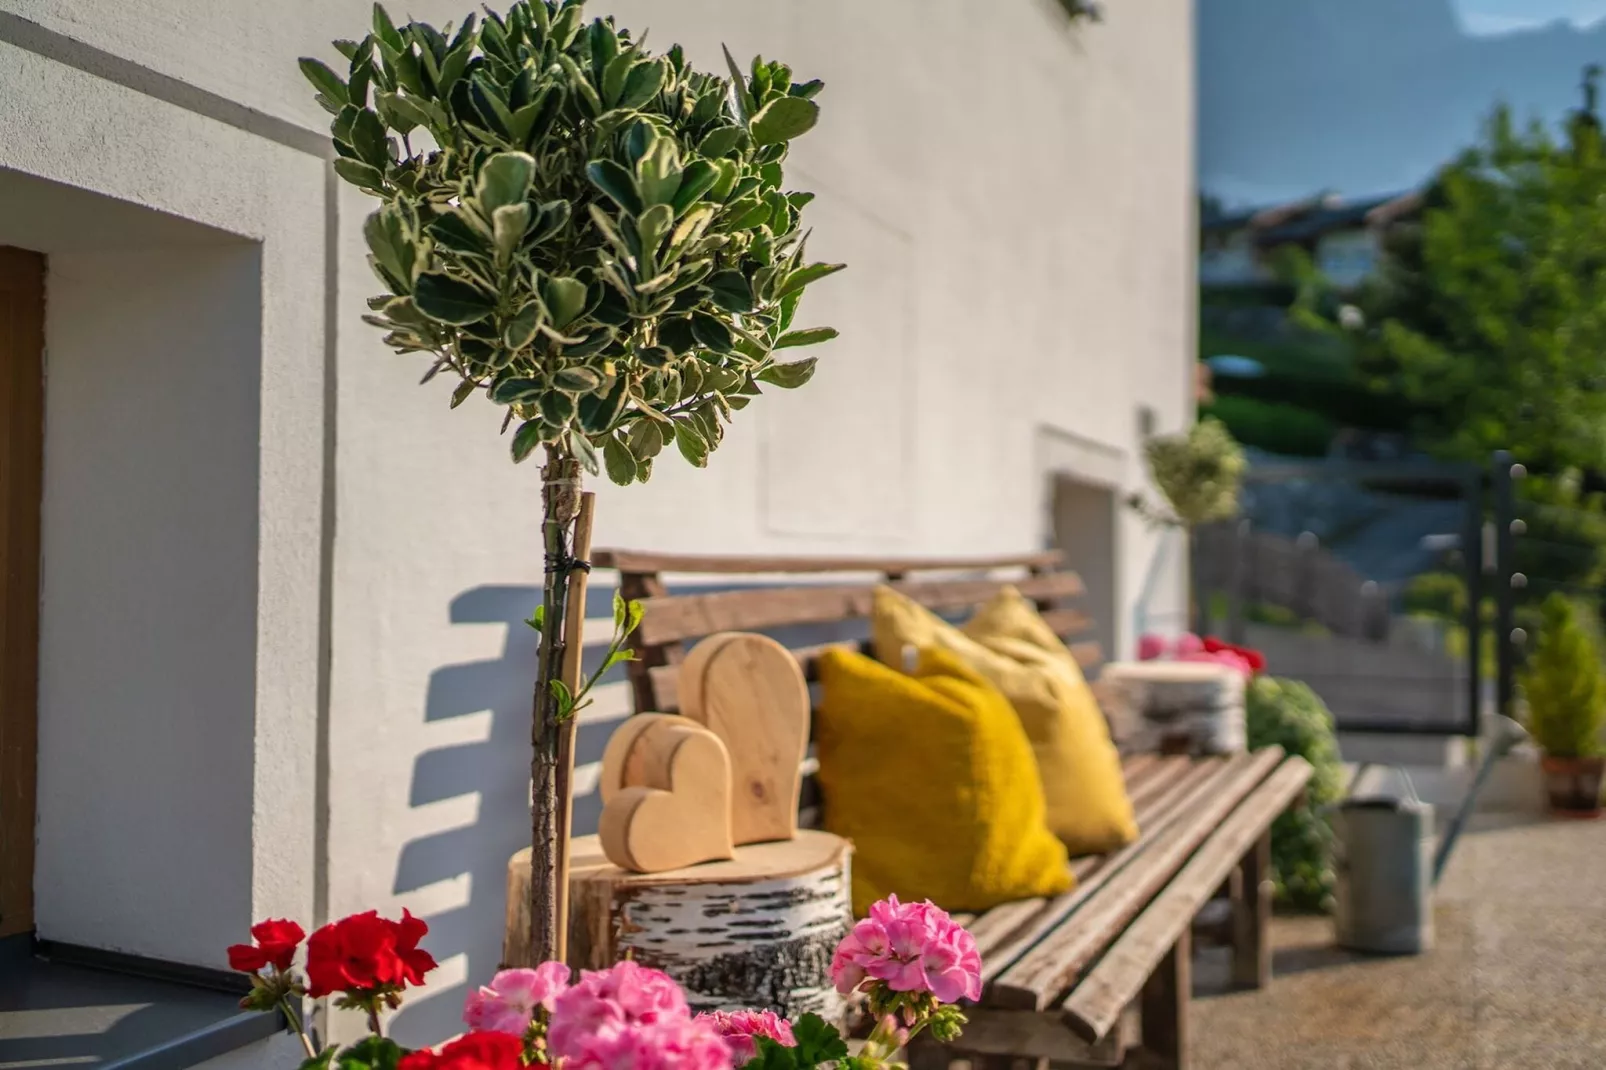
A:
{"points": [[1088, 807], [931, 777]]}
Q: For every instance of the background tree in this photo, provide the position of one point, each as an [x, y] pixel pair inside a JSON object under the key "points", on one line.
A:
{"points": [[1489, 313], [1488, 316], [596, 240]]}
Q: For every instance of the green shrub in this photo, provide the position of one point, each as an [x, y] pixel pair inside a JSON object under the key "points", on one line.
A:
{"points": [[1288, 714], [1437, 594], [1563, 683], [1272, 426]]}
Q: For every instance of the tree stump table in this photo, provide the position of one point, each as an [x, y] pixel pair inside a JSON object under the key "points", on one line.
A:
{"points": [[756, 931], [1180, 707]]}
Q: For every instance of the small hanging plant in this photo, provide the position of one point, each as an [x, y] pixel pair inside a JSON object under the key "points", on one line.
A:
{"points": [[592, 237], [1199, 474]]}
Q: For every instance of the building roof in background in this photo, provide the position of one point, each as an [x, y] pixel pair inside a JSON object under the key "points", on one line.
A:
{"points": [[1311, 217]]}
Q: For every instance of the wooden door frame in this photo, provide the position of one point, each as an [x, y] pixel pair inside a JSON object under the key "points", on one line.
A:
{"points": [[22, 397]]}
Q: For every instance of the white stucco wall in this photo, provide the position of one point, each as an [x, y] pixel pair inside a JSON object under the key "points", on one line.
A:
{"points": [[169, 740], [1015, 200]]}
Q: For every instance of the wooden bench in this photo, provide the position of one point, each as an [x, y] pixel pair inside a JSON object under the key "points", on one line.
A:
{"points": [[1100, 976]]}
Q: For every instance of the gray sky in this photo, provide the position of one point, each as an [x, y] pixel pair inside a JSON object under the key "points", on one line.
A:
{"points": [[1503, 16]]}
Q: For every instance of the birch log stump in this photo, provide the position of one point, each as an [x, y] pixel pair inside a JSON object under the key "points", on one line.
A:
{"points": [[757, 931]]}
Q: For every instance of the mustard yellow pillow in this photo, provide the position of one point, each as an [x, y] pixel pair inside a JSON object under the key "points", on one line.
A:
{"points": [[931, 777], [1085, 793]]}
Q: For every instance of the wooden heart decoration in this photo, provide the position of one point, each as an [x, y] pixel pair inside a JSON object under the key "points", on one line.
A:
{"points": [[679, 814], [624, 759], [750, 691]]}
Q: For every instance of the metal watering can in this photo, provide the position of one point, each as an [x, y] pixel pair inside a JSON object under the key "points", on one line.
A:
{"points": [[1386, 864]]}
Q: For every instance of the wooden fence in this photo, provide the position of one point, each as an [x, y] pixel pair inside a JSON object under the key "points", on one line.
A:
{"points": [[1296, 575]]}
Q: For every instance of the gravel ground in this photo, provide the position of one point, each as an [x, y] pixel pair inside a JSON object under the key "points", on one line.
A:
{"points": [[1517, 979]]}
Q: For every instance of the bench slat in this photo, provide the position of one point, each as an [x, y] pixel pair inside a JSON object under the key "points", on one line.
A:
{"points": [[992, 928], [1094, 870], [995, 926], [665, 679], [715, 564], [1154, 778], [1136, 877], [677, 617], [1018, 1035], [1094, 1006]]}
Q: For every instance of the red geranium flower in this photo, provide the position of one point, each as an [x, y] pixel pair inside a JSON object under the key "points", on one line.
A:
{"points": [[416, 962], [364, 953], [1255, 659], [276, 943], [472, 1051]]}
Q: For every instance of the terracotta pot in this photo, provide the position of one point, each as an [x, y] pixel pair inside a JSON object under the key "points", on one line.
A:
{"points": [[1573, 785]]}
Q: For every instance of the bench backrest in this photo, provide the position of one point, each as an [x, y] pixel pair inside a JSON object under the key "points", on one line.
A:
{"points": [[779, 593], [687, 597]]}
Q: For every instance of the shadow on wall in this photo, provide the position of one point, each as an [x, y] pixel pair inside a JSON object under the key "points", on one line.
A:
{"points": [[497, 770]]}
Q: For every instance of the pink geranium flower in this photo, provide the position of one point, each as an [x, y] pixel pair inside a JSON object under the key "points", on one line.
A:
{"points": [[1151, 647], [909, 947], [604, 1003], [508, 1003], [670, 1043], [740, 1028]]}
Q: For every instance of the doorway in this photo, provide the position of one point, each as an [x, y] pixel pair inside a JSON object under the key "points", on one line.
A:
{"points": [[22, 346], [1084, 531]]}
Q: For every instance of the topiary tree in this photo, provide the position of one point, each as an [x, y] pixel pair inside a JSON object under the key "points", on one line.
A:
{"points": [[1288, 714], [1563, 683], [591, 237]]}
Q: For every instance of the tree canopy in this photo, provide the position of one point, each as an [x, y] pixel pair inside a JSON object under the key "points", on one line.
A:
{"points": [[1489, 312]]}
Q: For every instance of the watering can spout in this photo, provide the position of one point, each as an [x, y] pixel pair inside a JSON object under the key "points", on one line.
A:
{"points": [[1503, 736]]}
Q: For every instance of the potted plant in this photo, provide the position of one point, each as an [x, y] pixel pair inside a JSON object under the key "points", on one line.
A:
{"points": [[596, 240], [1565, 690]]}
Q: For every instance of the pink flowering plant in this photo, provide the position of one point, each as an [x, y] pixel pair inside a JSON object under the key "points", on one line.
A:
{"points": [[1208, 650], [910, 962]]}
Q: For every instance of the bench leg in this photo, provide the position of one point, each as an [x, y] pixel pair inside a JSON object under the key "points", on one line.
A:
{"points": [[1164, 1008], [925, 1053], [1251, 942]]}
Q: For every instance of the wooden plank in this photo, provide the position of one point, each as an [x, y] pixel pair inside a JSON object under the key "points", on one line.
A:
{"points": [[1092, 873], [1095, 1004], [1030, 1035], [717, 564], [22, 349], [663, 680], [1251, 939], [1134, 764], [1129, 885], [1157, 777], [689, 616], [993, 927], [666, 678], [1165, 999]]}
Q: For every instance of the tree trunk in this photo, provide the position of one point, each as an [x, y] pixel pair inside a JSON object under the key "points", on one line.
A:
{"points": [[560, 498]]}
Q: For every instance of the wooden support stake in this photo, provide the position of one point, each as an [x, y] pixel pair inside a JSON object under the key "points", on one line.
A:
{"points": [[573, 655], [1251, 940]]}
